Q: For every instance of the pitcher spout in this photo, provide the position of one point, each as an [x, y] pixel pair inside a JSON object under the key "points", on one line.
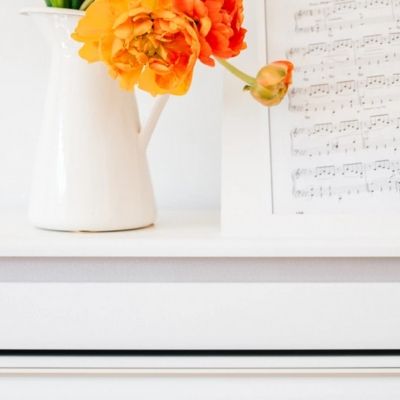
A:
{"points": [[55, 24]]}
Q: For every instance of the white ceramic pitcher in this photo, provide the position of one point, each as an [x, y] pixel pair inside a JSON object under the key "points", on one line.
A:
{"points": [[91, 171]]}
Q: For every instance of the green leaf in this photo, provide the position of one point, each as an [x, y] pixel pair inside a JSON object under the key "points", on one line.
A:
{"points": [[48, 3]]}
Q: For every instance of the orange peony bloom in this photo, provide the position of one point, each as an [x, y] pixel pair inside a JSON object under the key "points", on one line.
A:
{"points": [[142, 43], [220, 26], [272, 83]]}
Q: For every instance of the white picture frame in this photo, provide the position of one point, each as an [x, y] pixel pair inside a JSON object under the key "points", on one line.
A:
{"points": [[247, 185]]}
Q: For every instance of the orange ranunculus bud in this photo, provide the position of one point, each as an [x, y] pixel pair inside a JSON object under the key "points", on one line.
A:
{"points": [[272, 83], [142, 43], [219, 23]]}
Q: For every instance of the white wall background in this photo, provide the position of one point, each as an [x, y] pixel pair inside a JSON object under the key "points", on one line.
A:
{"points": [[184, 154]]}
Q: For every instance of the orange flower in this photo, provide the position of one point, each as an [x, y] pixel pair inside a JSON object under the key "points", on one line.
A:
{"points": [[220, 26], [272, 83], [142, 44]]}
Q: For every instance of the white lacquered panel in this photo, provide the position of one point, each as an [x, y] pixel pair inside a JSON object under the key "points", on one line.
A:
{"points": [[200, 385], [199, 270], [200, 316]]}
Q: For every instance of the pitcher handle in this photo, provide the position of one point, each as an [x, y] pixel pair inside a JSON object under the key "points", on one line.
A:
{"points": [[148, 129]]}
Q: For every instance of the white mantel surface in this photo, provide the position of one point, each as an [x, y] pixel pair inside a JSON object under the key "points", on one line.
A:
{"points": [[177, 234]]}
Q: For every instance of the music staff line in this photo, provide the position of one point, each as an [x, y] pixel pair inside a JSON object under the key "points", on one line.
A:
{"points": [[371, 92], [351, 24], [355, 126], [325, 57], [348, 87], [374, 177], [338, 8], [335, 106], [351, 170], [347, 145], [379, 133], [340, 191], [357, 62], [332, 48], [331, 18]]}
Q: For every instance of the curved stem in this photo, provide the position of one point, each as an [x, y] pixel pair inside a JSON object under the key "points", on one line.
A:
{"points": [[86, 4], [237, 72]]}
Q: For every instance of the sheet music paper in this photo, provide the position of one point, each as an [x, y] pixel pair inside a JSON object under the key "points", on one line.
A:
{"points": [[336, 141]]}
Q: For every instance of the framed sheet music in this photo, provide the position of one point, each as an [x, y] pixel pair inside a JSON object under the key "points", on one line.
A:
{"points": [[327, 160]]}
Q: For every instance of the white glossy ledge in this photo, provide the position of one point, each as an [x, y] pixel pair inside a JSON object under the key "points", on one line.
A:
{"points": [[191, 364], [177, 234]]}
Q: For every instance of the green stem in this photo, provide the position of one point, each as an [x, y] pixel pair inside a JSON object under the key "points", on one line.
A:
{"points": [[76, 4], [237, 72], [57, 3], [86, 4]]}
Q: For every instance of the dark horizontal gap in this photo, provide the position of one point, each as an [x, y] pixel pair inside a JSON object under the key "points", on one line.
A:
{"points": [[199, 353]]}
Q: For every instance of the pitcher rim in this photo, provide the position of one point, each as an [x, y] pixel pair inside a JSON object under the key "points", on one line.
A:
{"points": [[52, 11]]}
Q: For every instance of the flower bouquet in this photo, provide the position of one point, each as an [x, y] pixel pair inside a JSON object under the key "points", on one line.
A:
{"points": [[155, 44], [91, 172]]}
